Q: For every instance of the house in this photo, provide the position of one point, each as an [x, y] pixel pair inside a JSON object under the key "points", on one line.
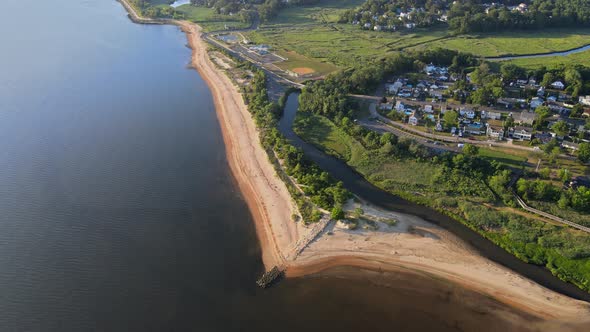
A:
{"points": [[521, 133], [438, 126], [584, 100], [552, 99], [393, 88], [525, 117], [399, 106], [367, 26], [378, 28], [491, 115], [474, 129], [541, 92], [558, 85], [586, 113], [505, 103], [453, 131], [436, 94], [495, 132], [532, 81], [536, 102], [428, 109], [544, 137], [386, 107], [410, 25], [470, 114], [413, 120], [570, 145]]}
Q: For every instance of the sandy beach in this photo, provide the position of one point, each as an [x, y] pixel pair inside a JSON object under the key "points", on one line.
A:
{"points": [[411, 246]]}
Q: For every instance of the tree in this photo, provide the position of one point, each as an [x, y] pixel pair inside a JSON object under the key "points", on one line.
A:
{"points": [[544, 173], [358, 212], [511, 71], [565, 175], [470, 150], [337, 213], [547, 79], [577, 111], [561, 128], [451, 119], [584, 152], [481, 74], [508, 123], [543, 112]]}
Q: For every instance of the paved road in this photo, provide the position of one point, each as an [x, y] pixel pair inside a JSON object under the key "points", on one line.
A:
{"points": [[381, 127]]}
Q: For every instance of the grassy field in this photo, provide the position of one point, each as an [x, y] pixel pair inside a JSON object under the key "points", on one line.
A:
{"points": [[327, 11], [296, 60], [582, 58], [343, 45], [514, 160], [509, 43], [386, 171], [320, 131], [207, 18]]}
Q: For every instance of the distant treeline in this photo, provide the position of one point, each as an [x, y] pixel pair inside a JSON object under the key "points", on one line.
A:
{"points": [[472, 16], [249, 9], [394, 13]]}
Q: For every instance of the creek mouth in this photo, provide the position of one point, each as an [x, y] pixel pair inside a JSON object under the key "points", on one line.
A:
{"points": [[357, 184]]}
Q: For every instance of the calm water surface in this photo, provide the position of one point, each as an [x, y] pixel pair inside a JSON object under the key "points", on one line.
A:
{"points": [[118, 212]]}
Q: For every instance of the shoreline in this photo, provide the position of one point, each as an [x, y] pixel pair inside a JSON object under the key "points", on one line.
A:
{"points": [[271, 207]]}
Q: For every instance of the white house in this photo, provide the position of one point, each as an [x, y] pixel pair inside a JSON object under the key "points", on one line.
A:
{"points": [[522, 133], [394, 88], [438, 126], [470, 114], [413, 120], [495, 132], [428, 109], [584, 100], [558, 85], [386, 106], [399, 106], [491, 115]]}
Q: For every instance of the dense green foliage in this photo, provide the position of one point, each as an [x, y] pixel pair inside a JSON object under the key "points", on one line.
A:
{"points": [[386, 12], [316, 184], [473, 16], [249, 9]]}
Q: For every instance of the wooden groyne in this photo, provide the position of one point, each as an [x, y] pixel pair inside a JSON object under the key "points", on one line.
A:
{"points": [[270, 277]]}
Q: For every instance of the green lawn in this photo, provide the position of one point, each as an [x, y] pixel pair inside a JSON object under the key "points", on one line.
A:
{"points": [[504, 158], [296, 60], [509, 43]]}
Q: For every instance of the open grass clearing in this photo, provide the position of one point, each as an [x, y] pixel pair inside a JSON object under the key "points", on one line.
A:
{"points": [[582, 58], [515, 43], [207, 18], [304, 65]]}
